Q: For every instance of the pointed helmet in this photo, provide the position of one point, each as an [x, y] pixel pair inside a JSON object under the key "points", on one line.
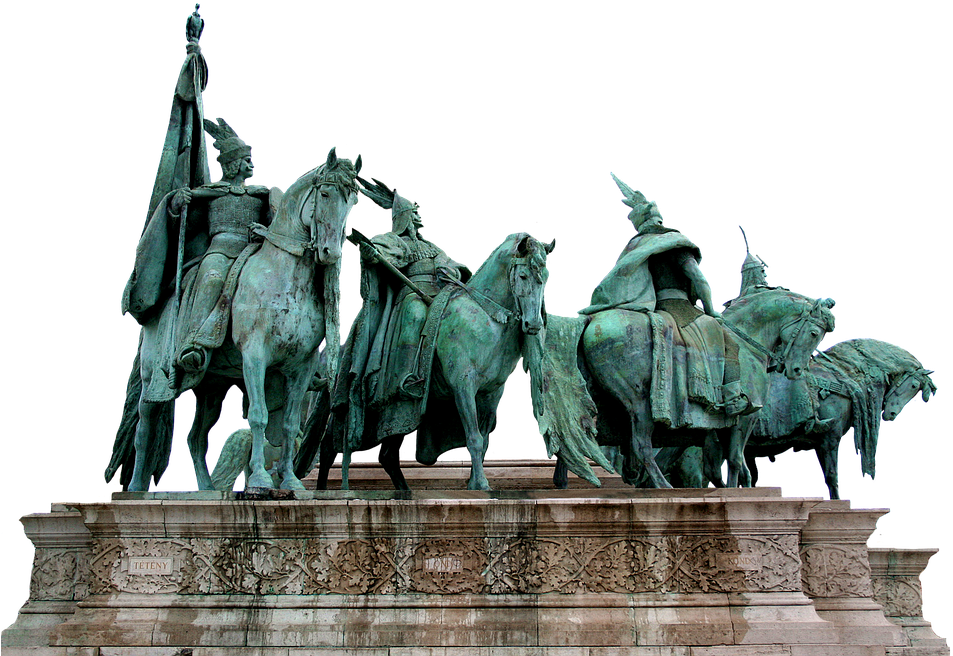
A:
{"points": [[402, 213]]}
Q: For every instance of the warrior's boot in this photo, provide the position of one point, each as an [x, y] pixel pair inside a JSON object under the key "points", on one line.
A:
{"points": [[735, 402]]}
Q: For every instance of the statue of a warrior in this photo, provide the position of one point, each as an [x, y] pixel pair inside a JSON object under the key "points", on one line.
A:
{"points": [[753, 273], [232, 208], [219, 219], [385, 366], [658, 271]]}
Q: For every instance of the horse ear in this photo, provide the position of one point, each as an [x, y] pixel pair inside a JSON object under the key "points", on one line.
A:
{"points": [[523, 246], [357, 165], [332, 158], [550, 246]]}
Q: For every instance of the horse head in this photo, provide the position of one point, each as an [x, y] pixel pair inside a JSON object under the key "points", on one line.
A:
{"points": [[318, 203], [904, 389], [801, 335], [527, 277]]}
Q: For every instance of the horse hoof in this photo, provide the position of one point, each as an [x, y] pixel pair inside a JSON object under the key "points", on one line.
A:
{"points": [[483, 485], [260, 479], [292, 483]]}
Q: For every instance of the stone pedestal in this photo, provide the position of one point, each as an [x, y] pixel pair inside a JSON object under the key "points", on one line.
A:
{"points": [[895, 578], [576, 572], [579, 572]]}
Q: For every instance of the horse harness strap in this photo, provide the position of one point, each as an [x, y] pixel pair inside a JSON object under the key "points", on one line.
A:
{"points": [[750, 342], [800, 321], [287, 243], [494, 310]]}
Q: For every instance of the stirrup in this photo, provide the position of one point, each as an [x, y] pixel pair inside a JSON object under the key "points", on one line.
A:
{"points": [[192, 360]]}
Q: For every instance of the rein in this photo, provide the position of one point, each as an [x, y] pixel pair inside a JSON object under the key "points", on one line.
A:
{"points": [[494, 310], [804, 317], [289, 244], [295, 245]]}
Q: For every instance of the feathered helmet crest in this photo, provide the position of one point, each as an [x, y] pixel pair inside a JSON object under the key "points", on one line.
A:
{"points": [[229, 146], [402, 209], [634, 199]]}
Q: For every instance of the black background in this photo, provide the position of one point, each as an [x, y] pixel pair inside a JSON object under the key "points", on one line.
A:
{"points": [[824, 176]]}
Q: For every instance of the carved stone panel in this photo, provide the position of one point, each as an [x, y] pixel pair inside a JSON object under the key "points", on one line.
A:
{"points": [[446, 566], [900, 596], [832, 570], [60, 574]]}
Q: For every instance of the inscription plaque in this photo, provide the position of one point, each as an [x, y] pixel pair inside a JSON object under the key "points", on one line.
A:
{"points": [[739, 561], [443, 564], [150, 566]]}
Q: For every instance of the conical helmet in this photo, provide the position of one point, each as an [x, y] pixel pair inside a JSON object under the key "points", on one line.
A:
{"points": [[752, 270], [402, 213]]}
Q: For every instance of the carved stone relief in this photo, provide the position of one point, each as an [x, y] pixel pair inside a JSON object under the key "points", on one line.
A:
{"points": [[450, 566], [59, 574], [835, 571], [900, 596]]}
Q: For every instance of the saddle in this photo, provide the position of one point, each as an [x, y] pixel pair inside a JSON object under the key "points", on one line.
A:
{"points": [[168, 381]]}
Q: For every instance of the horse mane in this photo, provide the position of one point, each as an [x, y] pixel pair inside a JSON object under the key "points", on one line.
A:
{"points": [[820, 308], [342, 172], [876, 358], [867, 367], [511, 247]]}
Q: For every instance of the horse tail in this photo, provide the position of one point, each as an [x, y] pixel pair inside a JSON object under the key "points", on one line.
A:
{"points": [[124, 448], [564, 410], [233, 460]]}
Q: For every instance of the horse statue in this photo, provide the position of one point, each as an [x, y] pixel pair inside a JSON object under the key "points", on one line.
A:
{"points": [[776, 329], [284, 304], [481, 332], [852, 384]]}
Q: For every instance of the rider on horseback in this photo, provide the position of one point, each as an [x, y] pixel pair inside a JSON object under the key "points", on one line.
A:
{"points": [[658, 272], [424, 264], [232, 209]]}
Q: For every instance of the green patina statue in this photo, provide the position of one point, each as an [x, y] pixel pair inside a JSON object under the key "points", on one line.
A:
{"points": [[663, 371], [208, 255]]}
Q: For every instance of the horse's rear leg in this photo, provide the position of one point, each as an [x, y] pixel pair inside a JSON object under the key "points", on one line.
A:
{"points": [[714, 458], [641, 453], [145, 430], [738, 473], [208, 408], [389, 457]]}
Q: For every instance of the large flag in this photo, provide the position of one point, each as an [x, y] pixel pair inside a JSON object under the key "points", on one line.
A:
{"points": [[184, 163]]}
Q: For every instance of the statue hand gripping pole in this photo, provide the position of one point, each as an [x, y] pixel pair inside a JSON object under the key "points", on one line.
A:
{"points": [[357, 238]]}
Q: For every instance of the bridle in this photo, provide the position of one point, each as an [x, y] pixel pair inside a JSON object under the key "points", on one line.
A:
{"points": [[779, 360]]}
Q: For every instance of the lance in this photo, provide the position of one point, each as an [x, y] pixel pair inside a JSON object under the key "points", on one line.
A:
{"points": [[357, 238]]}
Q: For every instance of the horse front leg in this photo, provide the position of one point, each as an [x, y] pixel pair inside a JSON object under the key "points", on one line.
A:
{"points": [[465, 397], [560, 474], [145, 429], [827, 457], [389, 458], [253, 370], [297, 386], [714, 457]]}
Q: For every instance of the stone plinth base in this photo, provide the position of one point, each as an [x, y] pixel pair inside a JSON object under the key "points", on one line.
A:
{"points": [[510, 475], [575, 572]]}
